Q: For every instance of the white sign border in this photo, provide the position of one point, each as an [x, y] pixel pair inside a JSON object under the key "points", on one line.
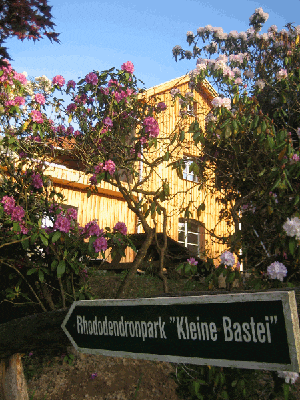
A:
{"points": [[289, 310]]}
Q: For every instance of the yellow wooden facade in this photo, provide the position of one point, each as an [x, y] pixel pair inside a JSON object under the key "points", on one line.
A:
{"points": [[109, 207]]}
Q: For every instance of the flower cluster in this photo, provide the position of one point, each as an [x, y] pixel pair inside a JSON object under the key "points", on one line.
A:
{"points": [[277, 270], [121, 227], [292, 227], [36, 116], [100, 244], [62, 224], [37, 181], [288, 376], [17, 213], [219, 102], [151, 126], [228, 258], [128, 67], [91, 78], [192, 261], [59, 80], [39, 98], [92, 229]]}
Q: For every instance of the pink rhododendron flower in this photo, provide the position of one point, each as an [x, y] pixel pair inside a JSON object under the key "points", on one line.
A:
{"points": [[37, 181], [192, 261], [128, 67], [62, 224], [121, 227], [91, 78], [110, 167], [100, 244], [23, 228], [20, 77], [19, 100], [59, 80], [39, 98], [36, 116], [107, 121], [77, 133]]}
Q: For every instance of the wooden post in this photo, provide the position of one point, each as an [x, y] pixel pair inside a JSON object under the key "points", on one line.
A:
{"points": [[12, 379]]}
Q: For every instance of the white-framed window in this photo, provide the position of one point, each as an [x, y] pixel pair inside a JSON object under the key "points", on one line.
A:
{"points": [[191, 235], [192, 109], [186, 173]]}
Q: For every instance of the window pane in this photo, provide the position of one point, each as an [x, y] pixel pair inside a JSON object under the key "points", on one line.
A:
{"points": [[181, 236], [193, 249], [193, 238]]}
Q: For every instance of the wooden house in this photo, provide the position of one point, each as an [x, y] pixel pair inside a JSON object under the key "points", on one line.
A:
{"points": [[109, 206]]}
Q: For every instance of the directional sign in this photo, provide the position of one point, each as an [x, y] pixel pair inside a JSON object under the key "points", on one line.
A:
{"points": [[255, 331]]}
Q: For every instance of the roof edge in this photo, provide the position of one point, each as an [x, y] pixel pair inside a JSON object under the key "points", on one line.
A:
{"points": [[155, 90]]}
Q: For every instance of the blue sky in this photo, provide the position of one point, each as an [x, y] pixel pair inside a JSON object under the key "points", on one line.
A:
{"points": [[98, 35]]}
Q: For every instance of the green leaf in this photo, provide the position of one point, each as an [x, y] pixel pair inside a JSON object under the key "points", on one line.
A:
{"points": [[61, 268], [89, 193], [33, 238], [200, 209], [292, 245], [224, 395], [227, 132], [44, 240], [231, 277], [41, 275], [166, 156], [262, 172], [233, 384], [182, 136], [31, 271], [25, 244], [16, 227], [286, 390], [54, 265], [56, 236]]}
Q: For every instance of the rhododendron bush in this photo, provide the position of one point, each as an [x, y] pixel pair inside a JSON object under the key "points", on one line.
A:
{"points": [[251, 140], [116, 124]]}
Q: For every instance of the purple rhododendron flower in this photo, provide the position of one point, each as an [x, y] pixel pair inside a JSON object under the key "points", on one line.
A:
{"points": [[151, 126], [92, 229], [18, 213], [93, 180], [162, 106], [121, 227], [37, 181], [91, 78], [100, 244], [71, 213], [9, 204], [71, 84], [108, 121], [62, 224]]}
